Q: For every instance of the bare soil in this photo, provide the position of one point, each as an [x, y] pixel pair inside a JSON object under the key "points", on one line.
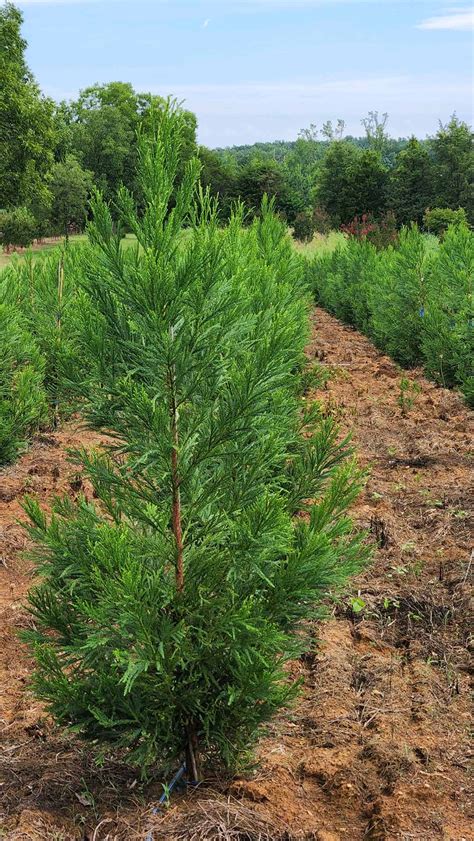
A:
{"points": [[377, 745]]}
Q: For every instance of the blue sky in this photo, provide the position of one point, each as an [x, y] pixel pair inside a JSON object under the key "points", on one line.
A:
{"points": [[263, 69]]}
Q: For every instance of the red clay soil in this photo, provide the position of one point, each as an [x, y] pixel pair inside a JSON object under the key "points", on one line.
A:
{"points": [[376, 747]]}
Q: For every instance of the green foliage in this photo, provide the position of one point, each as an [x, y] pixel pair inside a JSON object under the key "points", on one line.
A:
{"points": [[438, 220], [414, 301], [351, 182], [219, 175], [409, 392], [48, 295], [300, 168], [412, 183], [448, 335], [22, 398], [303, 226], [17, 227], [398, 300], [70, 186], [26, 117], [265, 178], [104, 121], [166, 610], [375, 131], [453, 152]]}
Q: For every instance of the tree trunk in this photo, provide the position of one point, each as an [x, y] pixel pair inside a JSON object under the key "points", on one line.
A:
{"points": [[177, 526], [59, 328], [193, 769]]}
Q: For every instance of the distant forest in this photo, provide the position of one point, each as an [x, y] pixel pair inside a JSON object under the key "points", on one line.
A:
{"points": [[53, 155], [278, 150]]}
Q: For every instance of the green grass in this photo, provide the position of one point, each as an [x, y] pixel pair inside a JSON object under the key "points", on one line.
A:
{"points": [[39, 250], [47, 247], [320, 243], [329, 242]]}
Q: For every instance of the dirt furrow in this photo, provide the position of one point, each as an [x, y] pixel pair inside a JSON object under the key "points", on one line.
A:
{"points": [[376, 747]]}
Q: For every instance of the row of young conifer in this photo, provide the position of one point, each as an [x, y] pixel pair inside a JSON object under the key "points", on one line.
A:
{"points": [[414, 301], [166, 608]]}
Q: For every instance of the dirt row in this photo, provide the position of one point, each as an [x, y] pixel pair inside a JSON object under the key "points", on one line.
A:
{"points": [[376, 747]]}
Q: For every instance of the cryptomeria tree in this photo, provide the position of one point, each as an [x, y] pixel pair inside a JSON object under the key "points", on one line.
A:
{"points": [[167, 608], [23, 405], [448, 326], [48, 294]]}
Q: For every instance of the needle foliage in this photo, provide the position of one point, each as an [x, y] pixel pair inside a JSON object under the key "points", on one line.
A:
{"points": [[167, 608], [414, 300]]}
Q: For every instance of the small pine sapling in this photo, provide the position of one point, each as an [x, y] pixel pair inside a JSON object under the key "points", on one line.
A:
{"points": [[23, 405], [167, 608]]}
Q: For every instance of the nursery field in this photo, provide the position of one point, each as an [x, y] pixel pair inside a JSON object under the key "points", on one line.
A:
{"points": [[236, 451], [376, 745], [236, 536]]}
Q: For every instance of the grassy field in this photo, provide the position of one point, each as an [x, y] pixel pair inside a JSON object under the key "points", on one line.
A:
{"points": [[38, 251], [320, 243]]}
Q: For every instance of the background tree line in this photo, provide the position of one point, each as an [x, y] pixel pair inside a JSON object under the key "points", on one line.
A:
{"points": [[326, 179], [52, 155]]}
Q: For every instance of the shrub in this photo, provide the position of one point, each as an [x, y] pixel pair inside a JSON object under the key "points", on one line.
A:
{"points": [[381, 233], [167, 609], [438, 220], [23, 404], [321, 221], [18, 228], [341, 280], [448, 325], [413, 300], [48, 294], [398, 301], [303, 226]]}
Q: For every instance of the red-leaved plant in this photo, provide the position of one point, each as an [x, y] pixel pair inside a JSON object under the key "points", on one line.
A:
{"points": [[381, 233]]}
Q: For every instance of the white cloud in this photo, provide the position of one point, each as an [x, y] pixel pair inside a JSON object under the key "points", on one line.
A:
{"points": [[250, 111], [459, 20], [206, 23]]}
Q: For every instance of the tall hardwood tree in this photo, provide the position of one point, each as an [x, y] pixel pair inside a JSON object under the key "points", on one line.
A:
{"points": [[27, 133]]}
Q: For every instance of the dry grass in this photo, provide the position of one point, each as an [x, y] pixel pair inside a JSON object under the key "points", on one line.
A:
{"points": [[221, 819]]}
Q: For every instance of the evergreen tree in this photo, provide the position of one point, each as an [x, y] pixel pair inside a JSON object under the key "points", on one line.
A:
{"points": [[22, 397], [414, 301], [448, 326], [48, 295], [398, 300], [219, 176], [167, 609], [351, 182], [18, 228], [453, 151], [412, 183], [103, 123], [371, 184]]}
